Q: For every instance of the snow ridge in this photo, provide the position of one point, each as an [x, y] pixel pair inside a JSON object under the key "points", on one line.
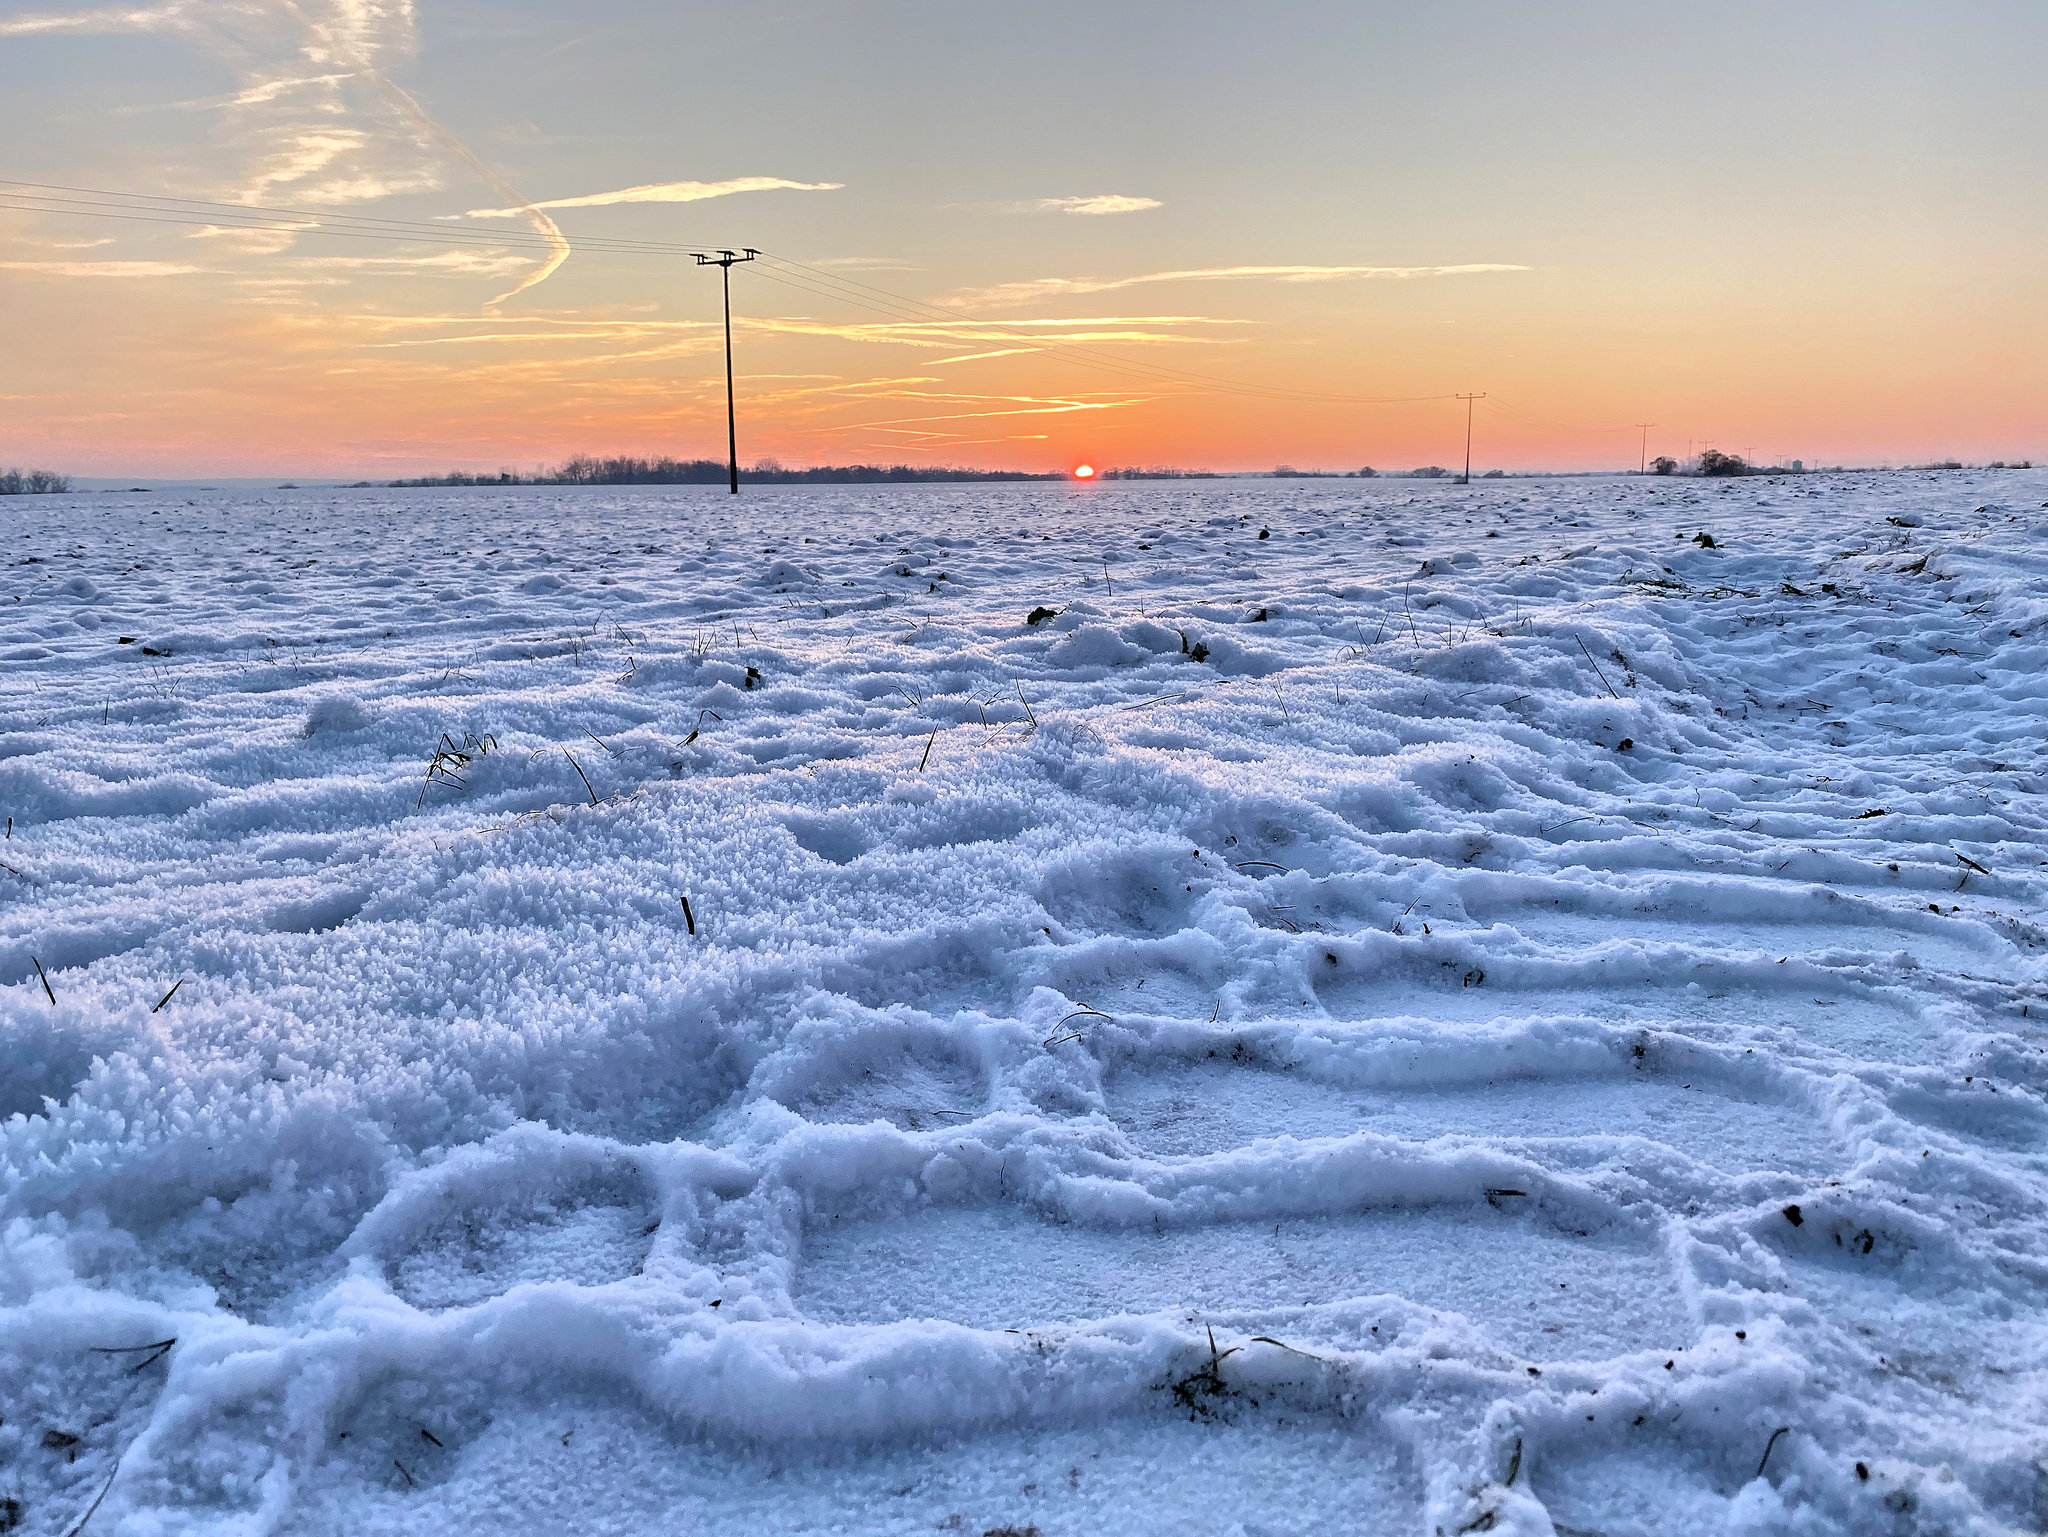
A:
{"points": [[1387, 1007]]}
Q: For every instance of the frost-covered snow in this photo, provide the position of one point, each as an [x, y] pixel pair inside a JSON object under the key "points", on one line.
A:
{"points": [[1555, 1001]]}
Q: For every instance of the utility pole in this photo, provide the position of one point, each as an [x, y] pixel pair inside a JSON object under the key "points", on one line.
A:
{"points": [[724, 261], [1646, 426], [1466, 478]]}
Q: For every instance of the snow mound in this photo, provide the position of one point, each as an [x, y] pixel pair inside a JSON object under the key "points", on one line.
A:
{"points": [[1479, 1008]]}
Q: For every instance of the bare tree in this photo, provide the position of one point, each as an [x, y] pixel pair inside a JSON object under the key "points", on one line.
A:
{"points": [[32, 483]]}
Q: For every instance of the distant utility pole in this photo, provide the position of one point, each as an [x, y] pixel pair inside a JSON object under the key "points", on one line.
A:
{"points": [[1466, 478], [1646, 426], [724, 262]]}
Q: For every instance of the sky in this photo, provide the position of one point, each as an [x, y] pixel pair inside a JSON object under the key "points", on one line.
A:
{"points": [[1125, 232]]}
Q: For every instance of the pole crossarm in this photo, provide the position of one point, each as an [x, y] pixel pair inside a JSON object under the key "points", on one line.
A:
{"points": [[725, 261]]}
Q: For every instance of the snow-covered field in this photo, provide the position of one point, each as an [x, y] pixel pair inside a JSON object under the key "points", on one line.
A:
{"points": [[1476, 1012]]}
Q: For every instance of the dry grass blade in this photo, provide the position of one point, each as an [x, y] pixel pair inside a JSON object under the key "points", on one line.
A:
{"points": [[1966, 859], [448, 757], [581, 775], [45, 980], [1596, 667], [1769, 1447], [151, 1353], [92, 1509], [921, 762], [1057, 1039], [1027, 705], [170, 995], [689, 918], [1267, 1339]]}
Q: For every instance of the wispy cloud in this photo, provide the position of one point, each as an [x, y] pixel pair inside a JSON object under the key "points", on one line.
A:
{"points": [[483, 263], [107, 269], [937, 416], [246, 242], [625, 332], [1047, 288], [996, 406], [257, 95], [665, 192], [315, 113], [948, 334], [108, 18], [867, 264], [976, 357], [1095, 203]]}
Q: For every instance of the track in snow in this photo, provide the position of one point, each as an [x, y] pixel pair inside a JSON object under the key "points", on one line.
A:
{"points": [[1278, 947]]}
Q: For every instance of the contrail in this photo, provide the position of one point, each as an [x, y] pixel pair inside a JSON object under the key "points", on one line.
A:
{"points": [[423, 120], [558, 243]]}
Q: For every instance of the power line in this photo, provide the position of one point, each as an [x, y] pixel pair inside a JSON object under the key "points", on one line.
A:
{"points": [[70, 200], [1537, 419], [94, 202], [152, 208]]}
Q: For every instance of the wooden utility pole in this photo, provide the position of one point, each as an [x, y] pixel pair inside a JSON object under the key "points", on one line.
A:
{"points": [[724, 261], [1645, 467], [1466, 478]]}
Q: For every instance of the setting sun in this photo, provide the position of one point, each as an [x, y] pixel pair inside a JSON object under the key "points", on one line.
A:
{"points": [[1084, 472]]}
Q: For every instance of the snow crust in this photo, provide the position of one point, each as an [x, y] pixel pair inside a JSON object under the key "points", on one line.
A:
{"points": [[1397, 1008]]}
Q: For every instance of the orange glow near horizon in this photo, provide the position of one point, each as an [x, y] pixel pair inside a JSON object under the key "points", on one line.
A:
{"points": [[168, 375], [1590, 231]]}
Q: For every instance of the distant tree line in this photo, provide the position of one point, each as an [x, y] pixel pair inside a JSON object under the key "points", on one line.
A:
{"points": [[1156, 472], [32, 483], [626, 471], [1367, 472]]}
